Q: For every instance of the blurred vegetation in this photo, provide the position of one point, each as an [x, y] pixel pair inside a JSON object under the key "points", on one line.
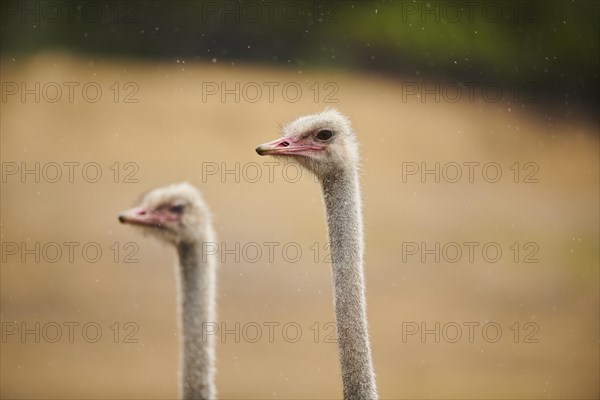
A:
{"points": [[554, 44]]}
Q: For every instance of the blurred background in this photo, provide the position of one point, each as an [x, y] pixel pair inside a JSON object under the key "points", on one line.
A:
{"points": [[102, 101]]}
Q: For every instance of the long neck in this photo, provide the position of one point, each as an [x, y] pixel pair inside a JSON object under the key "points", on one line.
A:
{"points": [[197, 311], [345, 226]]}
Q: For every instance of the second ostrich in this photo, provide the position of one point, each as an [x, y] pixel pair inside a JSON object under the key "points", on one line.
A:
{"points": [[178, 215], [325, 145]]}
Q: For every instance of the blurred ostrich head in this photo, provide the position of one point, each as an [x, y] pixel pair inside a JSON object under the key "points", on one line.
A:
{"points": [[322, 143], [175, 213]]}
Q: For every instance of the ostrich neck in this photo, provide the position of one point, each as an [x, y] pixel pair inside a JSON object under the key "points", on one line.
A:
{"points": [[345, 227], [196, 282]]}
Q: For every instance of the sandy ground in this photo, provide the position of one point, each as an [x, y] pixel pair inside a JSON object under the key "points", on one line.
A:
{"points": [[547, 311]]}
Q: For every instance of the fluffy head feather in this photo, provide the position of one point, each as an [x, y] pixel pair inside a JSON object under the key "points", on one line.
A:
{"points": [[323, 143], [175, 213]]}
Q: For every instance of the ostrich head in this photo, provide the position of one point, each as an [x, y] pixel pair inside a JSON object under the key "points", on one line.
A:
{"points": [[322, 143], [175, 213]]}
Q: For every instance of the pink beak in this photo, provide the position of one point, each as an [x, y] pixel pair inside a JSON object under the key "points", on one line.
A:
{"points": [[284, 146], [142, 216]]}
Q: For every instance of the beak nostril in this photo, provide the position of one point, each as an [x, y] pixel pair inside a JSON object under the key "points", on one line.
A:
{"points": [[285, 144]]}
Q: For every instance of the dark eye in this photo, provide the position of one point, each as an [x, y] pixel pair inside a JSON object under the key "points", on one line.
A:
{"points": [[177, 208], [324, 135]]}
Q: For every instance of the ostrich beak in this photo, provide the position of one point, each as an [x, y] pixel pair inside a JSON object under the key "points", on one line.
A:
{"points": [[139, 216], [284, 146]]}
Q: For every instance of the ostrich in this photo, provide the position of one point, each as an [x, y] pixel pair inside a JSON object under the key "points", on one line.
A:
{"points": [[325, 145], [178, 215]]}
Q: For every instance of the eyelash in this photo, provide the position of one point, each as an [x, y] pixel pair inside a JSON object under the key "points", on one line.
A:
{"points": [[178, 209], [326, 132]]}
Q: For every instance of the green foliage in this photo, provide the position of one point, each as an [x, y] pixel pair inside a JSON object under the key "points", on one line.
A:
{"points": [[553, 43]]}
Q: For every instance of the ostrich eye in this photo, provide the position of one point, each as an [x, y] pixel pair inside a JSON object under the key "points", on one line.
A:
{"points": [[177, 208], [324, 135]]}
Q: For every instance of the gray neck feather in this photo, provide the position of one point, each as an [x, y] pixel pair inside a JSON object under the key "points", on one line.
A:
{"points": [[196, 283], [345, 226]]}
